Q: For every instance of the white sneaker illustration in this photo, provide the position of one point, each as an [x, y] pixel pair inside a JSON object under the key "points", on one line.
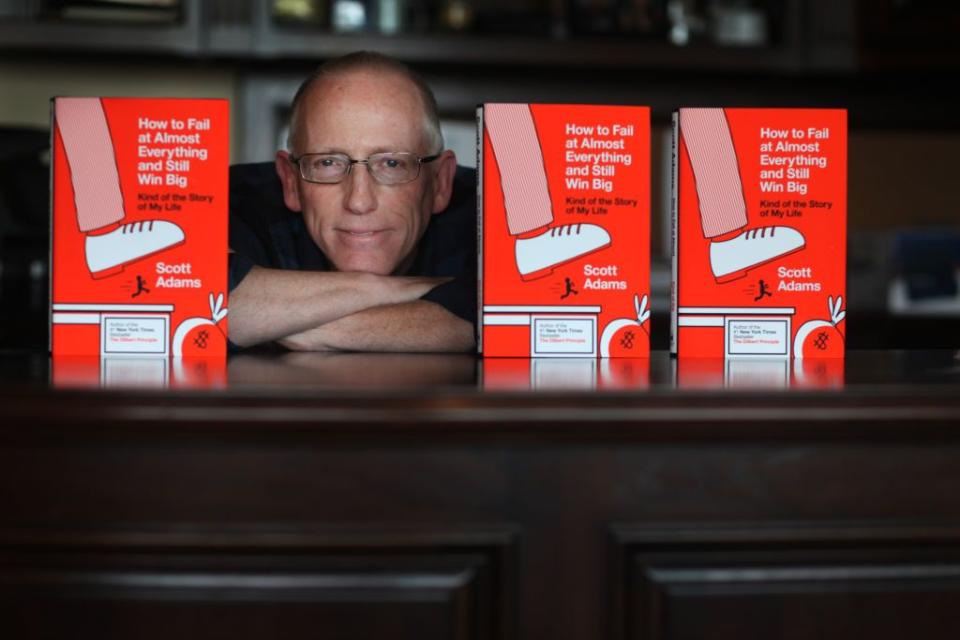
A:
{"points": [[731, 259], [538, 256], [108, 253]]}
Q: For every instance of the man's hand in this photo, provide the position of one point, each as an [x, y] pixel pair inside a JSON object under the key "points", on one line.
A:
{"points": [[270, 304], [411, 326]]}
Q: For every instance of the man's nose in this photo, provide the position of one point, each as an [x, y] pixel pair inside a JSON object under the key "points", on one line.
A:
{"points": [[361, 194]]}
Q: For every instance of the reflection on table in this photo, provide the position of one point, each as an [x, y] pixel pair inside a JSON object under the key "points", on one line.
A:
{"points": [[352, 370], [137, 372], [513, 374], [759, 373], [280, 372]]}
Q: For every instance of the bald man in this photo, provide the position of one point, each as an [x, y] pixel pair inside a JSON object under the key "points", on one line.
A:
{"points": [[364, 237]]}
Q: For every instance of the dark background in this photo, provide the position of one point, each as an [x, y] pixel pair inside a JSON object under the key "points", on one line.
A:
{"points": [[888, 62]]}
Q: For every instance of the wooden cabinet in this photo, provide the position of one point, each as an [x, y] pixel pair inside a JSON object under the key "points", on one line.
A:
{"points": [[851, 581], [249, 584], [294, 502]]}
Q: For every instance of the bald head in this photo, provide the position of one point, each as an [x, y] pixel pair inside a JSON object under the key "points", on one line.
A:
{"points": [[368, 65]]}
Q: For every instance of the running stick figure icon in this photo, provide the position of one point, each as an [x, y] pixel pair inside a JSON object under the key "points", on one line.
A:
{"points": [[141, 288], [763, 291], [569, 284]]}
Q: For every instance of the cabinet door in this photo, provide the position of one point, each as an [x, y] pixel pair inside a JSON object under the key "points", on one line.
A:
{"points": [[826, 584], [341, 589]]}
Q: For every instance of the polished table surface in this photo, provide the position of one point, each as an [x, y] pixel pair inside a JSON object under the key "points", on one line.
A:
{"points": [[868, 392], [276, 371]]}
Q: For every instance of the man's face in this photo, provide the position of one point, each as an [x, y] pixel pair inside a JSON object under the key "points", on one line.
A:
{"points": [[361, 225]]}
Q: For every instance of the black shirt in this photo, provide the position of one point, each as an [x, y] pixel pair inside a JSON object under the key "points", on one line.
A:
{"points": [[263, 232]]}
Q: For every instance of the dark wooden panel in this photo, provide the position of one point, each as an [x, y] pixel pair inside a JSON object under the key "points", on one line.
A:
{"points": [[797, 583], [559, 499], [347, 585], [321, 510]]}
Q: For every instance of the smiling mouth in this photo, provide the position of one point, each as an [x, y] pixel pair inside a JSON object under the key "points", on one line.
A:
{"points": [[360, 234]]}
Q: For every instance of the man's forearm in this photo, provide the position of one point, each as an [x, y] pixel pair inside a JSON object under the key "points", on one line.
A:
{"points": [[271, 303], [412, 326]]}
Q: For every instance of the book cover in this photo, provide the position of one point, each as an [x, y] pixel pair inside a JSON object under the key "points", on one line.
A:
{"points": [[564, 209], [759, 233], [139, 217]]}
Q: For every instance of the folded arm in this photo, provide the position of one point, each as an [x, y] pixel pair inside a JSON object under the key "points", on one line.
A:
{"points": [[270, 304], [419, 325]]}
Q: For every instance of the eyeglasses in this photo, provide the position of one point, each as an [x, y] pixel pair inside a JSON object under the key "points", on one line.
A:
{"points": [[386, 168]]}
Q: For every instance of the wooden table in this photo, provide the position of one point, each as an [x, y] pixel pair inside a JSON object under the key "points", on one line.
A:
{"points": [[375, 496]]}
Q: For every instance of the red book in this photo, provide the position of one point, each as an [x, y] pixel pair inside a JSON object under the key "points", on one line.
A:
{"points": [[759, 233], [564, 202], [139, 226]]}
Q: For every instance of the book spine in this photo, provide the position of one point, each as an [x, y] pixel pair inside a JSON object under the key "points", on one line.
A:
{"points": [[50, 209], [674, 228], [480, 229]]}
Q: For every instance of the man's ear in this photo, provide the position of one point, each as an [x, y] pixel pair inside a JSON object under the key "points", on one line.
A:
{"points": [[443, 180], [289, 175]]}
